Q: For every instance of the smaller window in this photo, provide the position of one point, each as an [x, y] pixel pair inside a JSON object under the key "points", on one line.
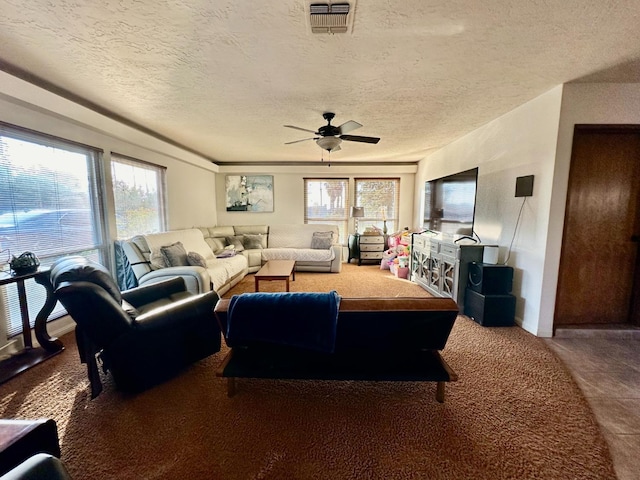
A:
{"points": [[380, 198], [325, 201], [138, 191]]}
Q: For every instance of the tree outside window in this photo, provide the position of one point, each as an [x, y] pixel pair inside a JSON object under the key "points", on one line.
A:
{"points": [[326, 201], [138, 190], [380, 199]]}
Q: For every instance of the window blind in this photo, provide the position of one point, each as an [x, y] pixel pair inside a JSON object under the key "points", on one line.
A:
{"points": [[48, 205], [326, 201], [380, 198], [139, 195]]}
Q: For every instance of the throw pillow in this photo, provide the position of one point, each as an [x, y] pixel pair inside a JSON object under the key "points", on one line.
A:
{"points": [[236, 241], [196, 260], [252, 242], [322, 240], [175, 255]]}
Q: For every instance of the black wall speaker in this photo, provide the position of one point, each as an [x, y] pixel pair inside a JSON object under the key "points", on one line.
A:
{"points": [[524, 186], [490, 310], [490, 279]]}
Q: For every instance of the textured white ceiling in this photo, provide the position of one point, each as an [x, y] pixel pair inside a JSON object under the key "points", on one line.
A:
{"points": [[223, 77]]}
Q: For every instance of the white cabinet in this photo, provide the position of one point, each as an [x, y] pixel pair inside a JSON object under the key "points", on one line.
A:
{"points": [[441, 266]]}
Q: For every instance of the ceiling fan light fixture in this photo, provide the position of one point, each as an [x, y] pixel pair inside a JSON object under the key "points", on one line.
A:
{"points": [[328, 143]]}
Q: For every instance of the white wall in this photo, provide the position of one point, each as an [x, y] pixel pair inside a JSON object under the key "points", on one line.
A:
{"points": [[288, 187], [521, 142], [190, 178]]}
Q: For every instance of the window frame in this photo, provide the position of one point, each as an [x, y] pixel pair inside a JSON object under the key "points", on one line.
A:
{"points": [[377, 218], [341, 221], [97, 248], [161, 193]]}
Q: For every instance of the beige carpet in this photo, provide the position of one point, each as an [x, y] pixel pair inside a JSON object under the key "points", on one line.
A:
{"points": [[515, 413]]}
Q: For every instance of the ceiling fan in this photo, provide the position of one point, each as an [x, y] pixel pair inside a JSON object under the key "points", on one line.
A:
{"points": [[329, 137]]}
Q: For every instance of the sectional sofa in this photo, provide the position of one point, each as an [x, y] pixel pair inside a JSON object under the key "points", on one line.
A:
{"points": [[219, 257]]}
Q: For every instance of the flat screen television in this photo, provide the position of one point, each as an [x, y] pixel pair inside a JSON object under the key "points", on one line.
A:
{"points": [[450, 203]]}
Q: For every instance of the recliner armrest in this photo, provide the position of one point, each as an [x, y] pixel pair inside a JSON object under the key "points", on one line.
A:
{"points": [[39, 466], [177, 312], [154, 291], [197, 279]]}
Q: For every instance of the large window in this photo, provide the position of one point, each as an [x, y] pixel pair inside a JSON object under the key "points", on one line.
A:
{"points": [[138, 190], [380, 198], [326, 201], [49, 206]]}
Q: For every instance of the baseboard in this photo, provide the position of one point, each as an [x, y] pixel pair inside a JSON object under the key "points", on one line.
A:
{"points": [[13, 346]]}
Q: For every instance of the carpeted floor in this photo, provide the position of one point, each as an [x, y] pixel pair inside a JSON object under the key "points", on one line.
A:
{"points": [[515, 413]]}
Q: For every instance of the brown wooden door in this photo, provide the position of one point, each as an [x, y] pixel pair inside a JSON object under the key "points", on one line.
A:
{"points": [[598, 278]]}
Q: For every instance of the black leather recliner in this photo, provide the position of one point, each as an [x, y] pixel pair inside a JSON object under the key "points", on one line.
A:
{"points": [[40, 466], [142, 336]]}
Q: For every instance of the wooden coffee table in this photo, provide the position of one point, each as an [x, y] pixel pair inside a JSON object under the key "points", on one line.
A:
{"points": [[276, 270]]}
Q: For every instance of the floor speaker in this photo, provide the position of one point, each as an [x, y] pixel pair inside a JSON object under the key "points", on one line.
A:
{"points": [[490, 310], [490, 279]]}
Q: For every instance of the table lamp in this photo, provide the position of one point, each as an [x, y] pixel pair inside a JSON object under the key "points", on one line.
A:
{"points": [[357, 212]]}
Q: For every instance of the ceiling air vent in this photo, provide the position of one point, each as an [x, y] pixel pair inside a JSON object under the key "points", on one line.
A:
{"points": [[329, 18]]}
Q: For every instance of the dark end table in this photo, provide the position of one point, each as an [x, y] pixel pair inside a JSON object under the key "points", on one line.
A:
{"points": [[49, 346]]}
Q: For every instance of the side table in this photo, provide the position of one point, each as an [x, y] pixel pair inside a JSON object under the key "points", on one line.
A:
{"points": [[371, 247], [49, 346]]}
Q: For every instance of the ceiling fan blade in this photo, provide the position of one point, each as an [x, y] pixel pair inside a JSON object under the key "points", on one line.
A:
{"points": [[303, 140], [356, 138], [303, 129], [348, 126]]}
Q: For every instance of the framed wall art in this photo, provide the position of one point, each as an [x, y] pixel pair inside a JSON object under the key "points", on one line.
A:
{"points": [[249, 193]]}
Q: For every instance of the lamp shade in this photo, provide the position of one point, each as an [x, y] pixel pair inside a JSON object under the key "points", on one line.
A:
{"points": [[329, 143], [357, 211]]}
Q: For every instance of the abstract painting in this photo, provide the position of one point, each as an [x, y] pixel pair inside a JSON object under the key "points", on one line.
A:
{"points": [[249, 193]]}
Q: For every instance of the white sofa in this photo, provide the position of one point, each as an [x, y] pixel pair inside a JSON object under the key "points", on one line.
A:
{"points": [[286, 242]]}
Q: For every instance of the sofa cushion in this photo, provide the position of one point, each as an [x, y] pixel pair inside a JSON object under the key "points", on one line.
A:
{"points": [[296, 235], [253, 230], [221, 232], [224, 269], [236, 241], [192, 240], [298, 254], [175, 255], [215, 244], [141, 243], [252, 242], [322, 240]]}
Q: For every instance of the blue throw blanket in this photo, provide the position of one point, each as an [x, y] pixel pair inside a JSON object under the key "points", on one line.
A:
{"points": [[304, 320]]}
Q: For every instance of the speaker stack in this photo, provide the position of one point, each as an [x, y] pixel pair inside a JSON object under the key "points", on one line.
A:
{"points": [[488, 298]]}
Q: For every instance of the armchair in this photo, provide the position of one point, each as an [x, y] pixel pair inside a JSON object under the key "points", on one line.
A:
{"points": [[142, 336], [40, 466]]}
